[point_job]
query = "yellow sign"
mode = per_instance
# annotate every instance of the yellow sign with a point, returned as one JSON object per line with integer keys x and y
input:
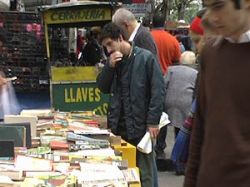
{"x": 101, "y": 109}
{"x": 74, "y": 73}
{"x": 87, "y": 94}
{"x": 77, "y": 15}
{"x": 79, "y": 97}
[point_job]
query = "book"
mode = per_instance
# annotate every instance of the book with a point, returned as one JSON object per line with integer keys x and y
{"x": 26, "y": 163}
{"x": 13, "y": 174}
{"x": 84, "y": 139}
{"x": 59, "y": 145}
{"x": 28, "y": 131}
{"x": 22, "y": 119}
{"x": 131, "y": 175}
{"x": 100, "y": 172}
{"x": 5, "y": 181}
{"x": 16, "y": 133}
{"x": 7, "y": 149}
{"x": 37, "y": 112}
{"x": 41, "y": 173}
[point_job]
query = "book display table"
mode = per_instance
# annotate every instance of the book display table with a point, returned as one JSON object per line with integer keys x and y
{"x": 70, "y": 149}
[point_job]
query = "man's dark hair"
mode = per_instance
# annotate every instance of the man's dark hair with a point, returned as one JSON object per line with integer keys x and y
{"x": 146, "y": 22}
{"x": 158, "y": 20}
{"x": 112, "y": 31}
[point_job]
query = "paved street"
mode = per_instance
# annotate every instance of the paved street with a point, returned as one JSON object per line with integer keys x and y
{"x": 169, "y": 179}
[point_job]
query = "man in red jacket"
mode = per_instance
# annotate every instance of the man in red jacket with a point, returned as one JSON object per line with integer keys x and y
{"x": 167, "y": 45}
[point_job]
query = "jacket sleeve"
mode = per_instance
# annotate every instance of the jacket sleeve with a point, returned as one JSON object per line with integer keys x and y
{"x": 157, "y": 91}
{"x": 105, "y": 78}
{"x": 197, "y": 136}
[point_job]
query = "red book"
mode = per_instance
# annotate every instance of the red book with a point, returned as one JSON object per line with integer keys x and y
{"x": 58, "y": 145}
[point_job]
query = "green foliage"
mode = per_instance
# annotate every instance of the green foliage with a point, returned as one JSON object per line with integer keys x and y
{"x": 178, "y": 9}
{"x": 189, "y": 13}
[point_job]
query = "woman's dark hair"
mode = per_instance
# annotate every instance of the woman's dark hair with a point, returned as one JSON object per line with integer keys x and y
{"x": 112, "y": 31}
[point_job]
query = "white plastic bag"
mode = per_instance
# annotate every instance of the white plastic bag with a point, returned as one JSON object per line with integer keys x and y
{"x": 8, "y": 101}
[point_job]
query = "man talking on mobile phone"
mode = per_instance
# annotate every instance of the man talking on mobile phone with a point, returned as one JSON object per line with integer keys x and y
{"x": 134, "y": 80}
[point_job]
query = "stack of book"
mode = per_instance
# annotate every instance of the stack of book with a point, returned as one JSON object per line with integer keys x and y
{"x": 70, "y": 149}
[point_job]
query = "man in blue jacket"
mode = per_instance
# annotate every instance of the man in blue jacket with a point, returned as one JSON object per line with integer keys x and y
{"x": 133, "y": 78}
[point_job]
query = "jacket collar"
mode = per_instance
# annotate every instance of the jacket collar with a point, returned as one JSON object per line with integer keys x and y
{"x": 132, "y": 36}
{"x": 244, "y": 38}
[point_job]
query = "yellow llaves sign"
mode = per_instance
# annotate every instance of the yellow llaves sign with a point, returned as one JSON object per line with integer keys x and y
{"x": 77, "y": 15}
{"x": 82, "y": 94}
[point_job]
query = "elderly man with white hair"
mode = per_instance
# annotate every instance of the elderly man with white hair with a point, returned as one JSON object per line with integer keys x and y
{"x": 133, "y": 30}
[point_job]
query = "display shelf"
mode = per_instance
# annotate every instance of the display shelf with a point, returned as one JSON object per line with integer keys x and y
{"x": 23, "y": 53}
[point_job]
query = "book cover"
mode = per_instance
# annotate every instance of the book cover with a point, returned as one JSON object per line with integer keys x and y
{"x": 16, "y": 133}
{"x": 23, "y": 119}
{"x": 28, "y": 131}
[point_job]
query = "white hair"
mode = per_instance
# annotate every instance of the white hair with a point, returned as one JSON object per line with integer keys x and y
{"x": 188, "y": 57}
{"x": 122, "y": 14}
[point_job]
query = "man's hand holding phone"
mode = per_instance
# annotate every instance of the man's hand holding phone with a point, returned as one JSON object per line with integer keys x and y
{"x": 115, "y": 58}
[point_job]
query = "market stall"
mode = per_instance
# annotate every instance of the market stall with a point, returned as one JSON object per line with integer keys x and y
{"x": 70, "y": 148}
{"x": 73, "y": 79}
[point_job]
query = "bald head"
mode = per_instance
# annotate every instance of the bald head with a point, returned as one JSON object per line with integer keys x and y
{"x": 125, "y": 20}
{"x": 122, "y": 15}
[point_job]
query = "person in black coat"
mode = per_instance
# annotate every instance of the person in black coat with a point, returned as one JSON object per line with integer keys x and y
{"x": 133, "y": 78}
{"x": 140, "y": 35}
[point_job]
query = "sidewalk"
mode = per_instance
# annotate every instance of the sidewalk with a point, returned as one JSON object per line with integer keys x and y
{"x": 169, "y": 179}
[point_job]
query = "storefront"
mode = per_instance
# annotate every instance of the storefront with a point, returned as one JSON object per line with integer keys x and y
{"x": 73, "y": 83}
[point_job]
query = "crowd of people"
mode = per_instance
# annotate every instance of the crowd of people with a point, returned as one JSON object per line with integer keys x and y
{"x": 203, "y": 91}
{"x": 146, "y": 74}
